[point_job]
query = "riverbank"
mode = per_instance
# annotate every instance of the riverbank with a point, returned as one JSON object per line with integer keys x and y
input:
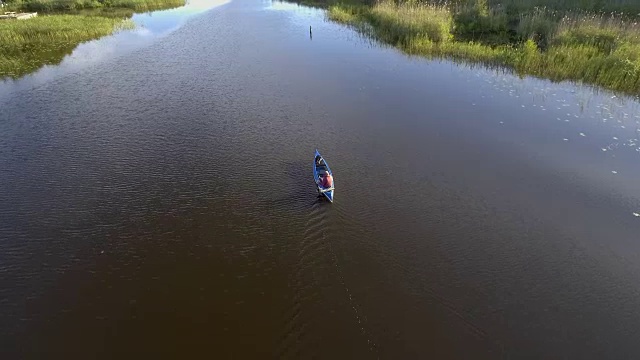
{"x": 577, "y": 41}
{"x": 58, "y": 6}
{"x": 27, "y": 45}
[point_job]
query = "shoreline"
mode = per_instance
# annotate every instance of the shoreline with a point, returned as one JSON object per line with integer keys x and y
{"x": 28, "y": 45}
{"x": 581, "y": 47}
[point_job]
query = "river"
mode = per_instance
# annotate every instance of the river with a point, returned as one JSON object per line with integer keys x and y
{"x": 160, "y": 201}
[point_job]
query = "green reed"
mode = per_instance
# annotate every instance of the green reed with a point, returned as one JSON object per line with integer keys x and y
{"x": 585, "y": 44}
{"x": 57, "y": 6}
{"x": 27, "y": 45}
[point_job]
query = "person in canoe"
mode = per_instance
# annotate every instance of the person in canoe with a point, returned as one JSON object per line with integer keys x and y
{"x": 326, "y": 180}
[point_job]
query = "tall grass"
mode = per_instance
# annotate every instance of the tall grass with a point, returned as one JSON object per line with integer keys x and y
{"x": 57, "y": 6}
{"x": 596, "y": 48}
{"x": 630, "y": 7}
{"x": 27, "y": 45}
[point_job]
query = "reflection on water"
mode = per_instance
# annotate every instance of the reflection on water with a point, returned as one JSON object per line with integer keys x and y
{"x": 600, "y": 124}
{"x": 290, "y": 6}
{"x": 163, "y": 202}
{"x": 149, "y": 27}
{"x": 570, "y": 118}
{"x": 158, "y": 23}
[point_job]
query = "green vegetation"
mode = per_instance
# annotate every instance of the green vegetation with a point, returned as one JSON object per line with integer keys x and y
{"x": 579, "y": 40}
{"x": 27, "y": 45}
{"x": 58, "y": 6}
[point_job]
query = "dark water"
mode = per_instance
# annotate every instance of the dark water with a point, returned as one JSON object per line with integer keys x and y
{"x": 162, "y": 203}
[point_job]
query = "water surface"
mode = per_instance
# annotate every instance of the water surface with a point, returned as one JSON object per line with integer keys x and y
{"x": 148, "y": 28}
{"x": 163, "y": 203}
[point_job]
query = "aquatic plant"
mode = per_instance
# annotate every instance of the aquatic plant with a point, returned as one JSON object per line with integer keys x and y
{"x": 27, "y": 45}
{"x": 590, "y": 46}
{"x": 47, "y": 6}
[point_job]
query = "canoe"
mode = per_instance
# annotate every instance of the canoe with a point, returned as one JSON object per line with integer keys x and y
{"x": 320, "y": 167}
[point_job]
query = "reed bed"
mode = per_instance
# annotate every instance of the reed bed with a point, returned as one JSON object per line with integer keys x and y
{"x": 58, "y": 6}
{"x": 27, "y": 45}
{"x": 576, "y": 40}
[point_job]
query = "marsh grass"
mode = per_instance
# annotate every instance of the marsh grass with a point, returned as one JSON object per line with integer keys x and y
{"x": 628, "y": 7}
{"x": 26, "y": 46}
{"x": 63, "y": 6}
{"x": 595, "y": 48}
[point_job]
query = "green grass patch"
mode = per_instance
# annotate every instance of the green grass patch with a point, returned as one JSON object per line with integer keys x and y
{"x": 58, "y": 6}
{"x": 512, "y": 7}
{"x": 27, "y": 45}
{"x": 595, "y": 48}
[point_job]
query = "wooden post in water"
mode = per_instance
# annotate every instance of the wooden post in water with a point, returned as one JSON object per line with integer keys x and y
{"x": 310, "y": 33}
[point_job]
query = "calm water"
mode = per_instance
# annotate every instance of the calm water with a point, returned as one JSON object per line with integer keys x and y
{"x": 161, "y": 201}
{"x": 150, "y": 27}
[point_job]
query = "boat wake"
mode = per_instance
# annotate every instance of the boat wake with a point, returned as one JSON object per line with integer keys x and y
{"x": 311, "y": 254}
{"x": 318, "y": 271}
